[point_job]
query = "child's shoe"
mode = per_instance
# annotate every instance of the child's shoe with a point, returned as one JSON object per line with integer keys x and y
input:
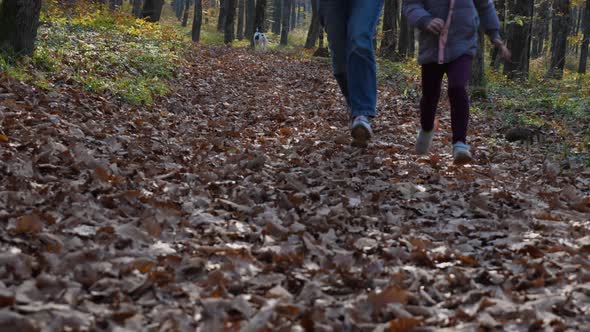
{"x": 461, "y": 154}
{"x": 424, "y": 141}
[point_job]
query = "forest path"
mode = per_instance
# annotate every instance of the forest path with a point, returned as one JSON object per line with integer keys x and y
{"x": 238, "y": 202}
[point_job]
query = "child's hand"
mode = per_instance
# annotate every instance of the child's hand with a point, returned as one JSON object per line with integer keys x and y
{"x": 435, "y": 26}
{"x": 504, "y": 51}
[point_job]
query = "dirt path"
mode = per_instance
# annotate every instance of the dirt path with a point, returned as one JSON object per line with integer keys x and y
{"x": 237, "y": 203}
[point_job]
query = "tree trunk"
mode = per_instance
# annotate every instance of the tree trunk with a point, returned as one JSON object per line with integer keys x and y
{"x": 375, "y": 34}
{"x": 267, "y": 18}
{"x": 286, "y": 23}
{"x": 259, "y": 18}
{"x": 519, "y": 38}
{"x": 297, "y": 14}
{"x": 221, "y": 18}
{"x": 136, "y": 11}
{"x": 545, "y": 13}
{"x": 536, "y": 36}
{"x": 411, "y": 41}
{"x": 303, "y": 13}
{"x": 559, "y": 29}
{"x": 19, "y": 20}
{"x": 389, "y": 42}
{"x": 501, "y": 10}
{"x": 579, "y": 27}
{"x": 575, "y": 18}
{"x": 178, "y": 6}
{"x": 241, "y": 9}
{"x": 187, "y": 7}
{"x": 152, "y": 10}
{"x": 260, "y": 15}
{"x": 314, "y": 28}
{"x": 478, "y": 82}
{"x": 404, "y": 42}
{"x": 197, "y": 18}
{"x": 586, "y": 41}
{"x": 293, "y": 15}
{"x": 540, "y": 29}
{"x": 277, "y": 14}
{"x": 230, "y": 15}
{"x": 250, "y": 17}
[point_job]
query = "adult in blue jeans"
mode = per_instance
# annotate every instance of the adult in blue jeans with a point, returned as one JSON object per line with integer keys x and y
{"x": 351, "y": 26}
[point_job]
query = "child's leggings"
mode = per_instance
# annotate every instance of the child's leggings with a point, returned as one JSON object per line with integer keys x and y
{"x": 458, "y": 73}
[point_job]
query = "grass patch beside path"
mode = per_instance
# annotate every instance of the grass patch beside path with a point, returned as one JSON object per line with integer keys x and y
{"x": 102, "y": 50}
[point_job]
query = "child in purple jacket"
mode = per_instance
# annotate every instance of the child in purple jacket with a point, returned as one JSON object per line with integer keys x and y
{"x": 448, "y": 42}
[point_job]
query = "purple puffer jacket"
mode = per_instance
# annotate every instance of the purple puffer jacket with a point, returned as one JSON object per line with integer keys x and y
{"x": 462, "y": 31}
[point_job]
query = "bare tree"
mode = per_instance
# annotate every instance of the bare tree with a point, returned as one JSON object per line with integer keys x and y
{"x": 519, "y": 37}
{"x": 187, "y": 7}
{"x": 389, "y": 42}
{"x": 277, "y": 11}
{"x": 250, "y": 17}
{"x": 586, "y": 41}
{"x": 286, "y": 22}
{"x": 559, "y": 33}
{"x": 501, "y": 10}
{"x": 404, "y": 37}
{"x": 230, "y": 15}
{"x": 152, "y": 10}
{"x": 221, "y": 17}
{"x": 478, "y": 82}
{"x": 314, "y": 28}
{"x": 197, "y": 20}
{"x": 241, "y": 10}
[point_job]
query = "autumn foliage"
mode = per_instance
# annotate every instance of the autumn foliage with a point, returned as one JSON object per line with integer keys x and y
{"x": 232, "y": 200}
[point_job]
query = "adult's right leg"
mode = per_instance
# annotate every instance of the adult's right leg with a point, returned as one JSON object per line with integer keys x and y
{"x": 335, "y": 15}
{"x": 432, "y": 75}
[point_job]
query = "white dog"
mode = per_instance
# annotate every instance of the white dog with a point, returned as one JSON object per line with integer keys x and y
{"x": 260, "y": 40}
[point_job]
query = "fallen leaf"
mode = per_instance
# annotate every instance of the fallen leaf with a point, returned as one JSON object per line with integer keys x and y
{"x": 7, "y": 297}
{"x": 406, "y": 324}
{"x": 30, "y": 224}
{"x": 11, "y": 321}
{"x": 286, "y": 131}
{"x": 391, "y": 294}
{"x": 546, "y": 215}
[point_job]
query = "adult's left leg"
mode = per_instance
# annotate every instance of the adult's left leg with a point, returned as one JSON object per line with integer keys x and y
{"x": 361, "y": 64}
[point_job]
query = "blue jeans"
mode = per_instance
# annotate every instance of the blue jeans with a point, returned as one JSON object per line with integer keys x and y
{"x": 351, "y": 25}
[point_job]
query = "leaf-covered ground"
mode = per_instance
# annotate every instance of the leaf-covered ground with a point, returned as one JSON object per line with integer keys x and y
{"x": 237, "y": 203}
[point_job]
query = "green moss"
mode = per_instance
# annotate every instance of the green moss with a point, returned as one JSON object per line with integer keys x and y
{"x": 45, "y": 60}
{"x": 13, "y": 68}
{"x": 139, "y": 91}
{"x": 93, "y": 83}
